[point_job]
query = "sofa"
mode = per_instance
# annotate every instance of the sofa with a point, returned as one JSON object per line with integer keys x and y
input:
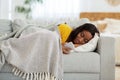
{"x": 110, "y": 27}
{"x": 96, "y": 65}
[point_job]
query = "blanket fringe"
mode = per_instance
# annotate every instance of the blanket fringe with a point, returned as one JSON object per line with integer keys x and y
{"x": 34, "y": 76}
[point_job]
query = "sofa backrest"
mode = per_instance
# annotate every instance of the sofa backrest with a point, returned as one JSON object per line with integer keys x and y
{"x": 5, "y": 26}
{"x": 50, "y": 22}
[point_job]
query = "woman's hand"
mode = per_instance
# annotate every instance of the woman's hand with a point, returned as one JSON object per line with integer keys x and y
{"x": 76, "y": 45}
{"x": 66, "y": 50}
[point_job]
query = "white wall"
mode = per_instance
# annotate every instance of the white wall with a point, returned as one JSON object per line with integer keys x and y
{"x": 4, "y": 5}
{"x": 98, "y": 6}
{"x": 86, "y": 6}
{"x": 7, "y": 9}
{"x": 0, "y": 8}
{"x": 15, "y": 14}
{"x": 43, "y": 9}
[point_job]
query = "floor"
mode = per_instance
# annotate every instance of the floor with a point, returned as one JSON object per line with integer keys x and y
{"x": 117, "y": 73}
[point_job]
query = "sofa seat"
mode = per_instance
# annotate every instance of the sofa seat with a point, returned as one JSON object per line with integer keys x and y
{"x": 7, "y": 68}
{"x": 76, "y": 66}
{"x": 82, "y": 62}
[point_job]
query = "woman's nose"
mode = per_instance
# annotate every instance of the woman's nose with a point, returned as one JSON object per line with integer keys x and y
{"x": 81, "y": 40}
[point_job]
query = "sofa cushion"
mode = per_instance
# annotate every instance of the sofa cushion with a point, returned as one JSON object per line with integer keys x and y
{"x": 5, "y": 28}
{"x": 82, "y": 62}
{"x": 81, "y": 76}
{"x": 74, "y": 62}
{"x": 6, "y": 68}
{"x": 9, "y": 76}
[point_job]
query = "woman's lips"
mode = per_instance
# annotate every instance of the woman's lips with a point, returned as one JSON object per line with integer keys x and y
{"x": 76, "y": 41}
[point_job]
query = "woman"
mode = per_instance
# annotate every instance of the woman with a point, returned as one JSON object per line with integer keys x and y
{"x": 79, "y": 36}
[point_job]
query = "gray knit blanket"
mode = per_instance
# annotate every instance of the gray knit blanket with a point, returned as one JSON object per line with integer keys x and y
{"x": 35, "y": 53}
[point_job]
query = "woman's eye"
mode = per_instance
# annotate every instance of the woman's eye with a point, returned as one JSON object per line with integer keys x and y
{"x": 85, "y": 40}
{"x": 82, "y": 35}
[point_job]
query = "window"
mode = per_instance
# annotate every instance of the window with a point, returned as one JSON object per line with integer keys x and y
{"x": 56, "y": 8}
{"x": 48, "y": 9}
{"x": 5, "y": 9}
{"x": 10, "y": 10}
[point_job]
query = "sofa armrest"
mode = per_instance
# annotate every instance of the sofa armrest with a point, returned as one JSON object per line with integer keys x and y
{"x": 106, "y": 49}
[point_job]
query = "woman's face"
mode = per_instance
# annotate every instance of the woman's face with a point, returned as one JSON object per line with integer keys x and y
{"x": 83, "y": 37}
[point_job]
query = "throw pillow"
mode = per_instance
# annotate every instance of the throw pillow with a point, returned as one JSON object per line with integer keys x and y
{"x": 100, "y": 24}
{"x": 113, "y": 26}
{"x": 64, "y": 30}
{"x": 90, "y": 46}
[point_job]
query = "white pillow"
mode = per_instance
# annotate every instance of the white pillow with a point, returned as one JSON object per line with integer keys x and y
{"x": 111, "y": 20}
{"x": 90, "y": 46}
{"x": 113, "y": 26}
{"x": 100, "y": 24}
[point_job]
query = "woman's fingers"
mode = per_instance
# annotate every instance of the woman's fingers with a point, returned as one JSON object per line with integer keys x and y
{"x": 66, "y": 50}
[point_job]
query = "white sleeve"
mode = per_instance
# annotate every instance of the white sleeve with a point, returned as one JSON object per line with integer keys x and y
{"x": 90, "y": 46}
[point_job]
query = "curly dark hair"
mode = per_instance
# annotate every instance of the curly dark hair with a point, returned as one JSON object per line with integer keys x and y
{"x": 87, "y": 26}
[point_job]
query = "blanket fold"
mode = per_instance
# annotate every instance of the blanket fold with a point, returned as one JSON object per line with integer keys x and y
{"x": 35, "y": 54}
